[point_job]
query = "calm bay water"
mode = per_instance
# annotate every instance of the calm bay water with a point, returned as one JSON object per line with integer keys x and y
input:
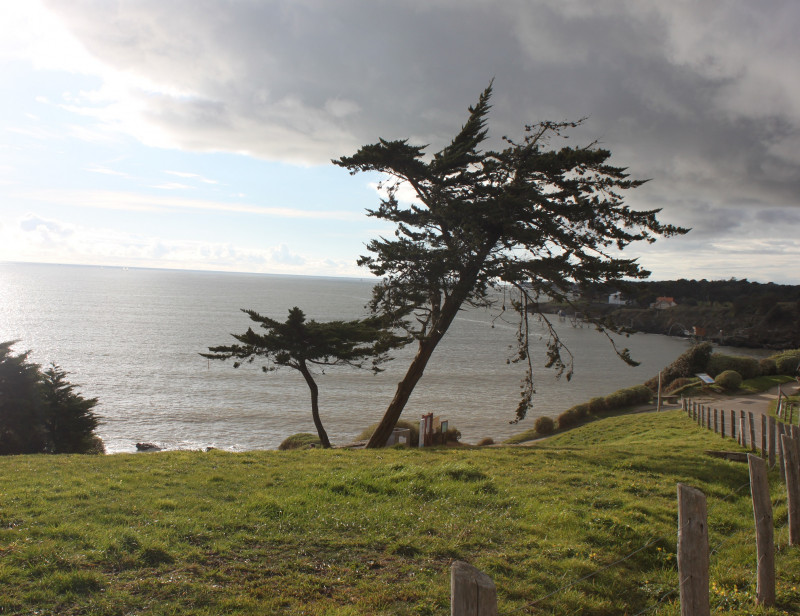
{"x": 132, "y": 338}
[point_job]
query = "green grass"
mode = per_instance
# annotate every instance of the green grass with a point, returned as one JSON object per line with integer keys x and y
{"x": 763, "y": 383}
{"x": 341, "y": 532}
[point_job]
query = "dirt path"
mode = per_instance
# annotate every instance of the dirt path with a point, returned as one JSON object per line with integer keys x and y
{"x": 757, "y": 403}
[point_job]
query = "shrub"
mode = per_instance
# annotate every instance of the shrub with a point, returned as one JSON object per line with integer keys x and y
{"x": 678, "y": 384}
{"x": 302, "y": 440}
{"x": 486, "y": 441}
{"x": 544, "y": 425}
{"x": 787, "y": 362}
{"x": 597, "y": 406}
{"x": 768, "y": 366}
{"x": 691, "y": 362}
{"x": 747, "y": 367}
{"x": 572, "y": 417}
{"x": 730, "y": 380}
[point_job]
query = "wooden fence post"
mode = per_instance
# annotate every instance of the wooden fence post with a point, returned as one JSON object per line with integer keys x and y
{"x": 742, "y": 431}
{"x": 763, "y": 436}
{"x": 722, "y": 423}
{"x": 733, "y": 425}
{"x": 771, "y": 440}
{"x": 781, "y": 456}
{"x": 693, "y": 552}
{"x": 752, "y": 423}
{"x": 472, "y": 592}
{"x": 765, "y": 546}
{"x": 716, "y": 421}
{"x": 792, "y": 488}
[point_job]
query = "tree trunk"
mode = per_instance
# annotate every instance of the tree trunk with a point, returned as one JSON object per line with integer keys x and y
{"x": 312, "y": 385}
{"x": 426, "y": 347}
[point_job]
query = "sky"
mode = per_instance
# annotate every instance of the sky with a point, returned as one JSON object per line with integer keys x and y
{"x": 198, "y": 134}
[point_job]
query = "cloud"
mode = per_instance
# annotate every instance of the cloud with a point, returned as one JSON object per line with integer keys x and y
{"x": 697, "y": 95}
{"x": 39, "y": 239}
{"x": 140, "y": 202}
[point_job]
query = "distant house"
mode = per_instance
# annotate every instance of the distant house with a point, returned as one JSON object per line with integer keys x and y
{"x": 662, "y": 303}
{"x": 616, "y": 299}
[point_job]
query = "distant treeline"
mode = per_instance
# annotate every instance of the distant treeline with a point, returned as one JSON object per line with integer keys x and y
{"x": 742, "y": 294}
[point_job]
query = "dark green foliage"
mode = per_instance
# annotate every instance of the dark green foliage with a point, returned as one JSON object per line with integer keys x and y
{"x": 573, "y": 416}
{"x": 531, "y": 217}
{"x": 40, "y": 412}
{"x": 597, "y": 405}
{"x": 544, "y": 425}
{"x": 22, "y": 414}
{"x": 678, "y": 383}
{"x": 729, "y": 380}
{"x": 691, "y": 362}
{"x": 747, "y": 367}
{"x": 300, "y": 344}
{"x": 303, "y": 440}
{"x": 70, "y": 420}
{"x": 787, "y": 362}
{"x": 768, "y": 366}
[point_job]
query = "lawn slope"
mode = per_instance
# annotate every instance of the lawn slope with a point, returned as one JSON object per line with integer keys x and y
{"x": 372, "y": 532}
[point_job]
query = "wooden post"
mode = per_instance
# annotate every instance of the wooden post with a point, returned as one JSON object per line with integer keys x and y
{"x": 733, "y": 425}
{"x": 771, "y": 440}
{"x": 763, "y": 436}
{"x": 781, "y": 456}
{"x": 792, "y": 488}
{"x": 752, "y": 422}
{"x": 693, "y": 552}
{"x": 742, "y": 431}
{"x": 722, "y": 424}
{"x": 765, "y": 547}
{"x": 658, "y": 402}
{"x": 716, "y": 421}
{"x": 702, "y": 416}
{"x": 472, "y": 592}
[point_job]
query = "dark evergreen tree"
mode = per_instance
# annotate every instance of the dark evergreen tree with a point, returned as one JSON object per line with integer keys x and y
{"x": 301, "y": 344}
{"x": 40, "y": 412}
{"x": 22, "y": 425}
{"x": 529, "y": 217}
{"x": 70, "y": 420}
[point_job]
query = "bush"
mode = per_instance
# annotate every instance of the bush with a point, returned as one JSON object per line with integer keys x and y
{"x": 486, "y": 441}
{"x": 544, "y": 425}
{"x": 572, "y": 417}
{"x": 598, "y": 406}
{"x": 747, "y": 367}
{"x": 678, "y": 384}
{"x": 768, "y": 366}
{"x": 302, "y": 440}
{"x": 730, "y": 380}
{"x": 691, "y": 362}
{"x": 787, "y": 362}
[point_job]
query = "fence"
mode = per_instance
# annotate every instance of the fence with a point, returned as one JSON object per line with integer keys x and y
{"x": 473, "y": 593}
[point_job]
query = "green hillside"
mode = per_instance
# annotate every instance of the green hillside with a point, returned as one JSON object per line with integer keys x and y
{"x": 374, "y": 532}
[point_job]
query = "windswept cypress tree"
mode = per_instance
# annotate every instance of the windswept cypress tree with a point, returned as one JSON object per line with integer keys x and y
{"x": 300, "y": 345}
{"x": 529, "y": 217}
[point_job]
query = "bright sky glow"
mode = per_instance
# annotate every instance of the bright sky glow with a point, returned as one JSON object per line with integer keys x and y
{"x": 197, "y": 134}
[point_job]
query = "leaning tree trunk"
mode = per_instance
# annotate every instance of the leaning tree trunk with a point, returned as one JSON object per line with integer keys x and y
{"x": 312, "y": 385}
{"x": 427, "y": 345}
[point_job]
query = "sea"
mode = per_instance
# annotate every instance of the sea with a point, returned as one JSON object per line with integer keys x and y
{"x": 132, "y": 338}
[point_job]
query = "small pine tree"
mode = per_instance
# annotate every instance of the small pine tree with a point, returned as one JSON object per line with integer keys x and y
{"x": 70, "y": 420}
{"x": 40, "y": 412}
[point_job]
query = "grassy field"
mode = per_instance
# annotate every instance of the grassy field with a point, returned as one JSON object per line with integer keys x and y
{"x": 374, "y": 532}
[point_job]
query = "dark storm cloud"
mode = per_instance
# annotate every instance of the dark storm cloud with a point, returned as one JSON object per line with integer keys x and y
{"x": 700, "y": 96}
